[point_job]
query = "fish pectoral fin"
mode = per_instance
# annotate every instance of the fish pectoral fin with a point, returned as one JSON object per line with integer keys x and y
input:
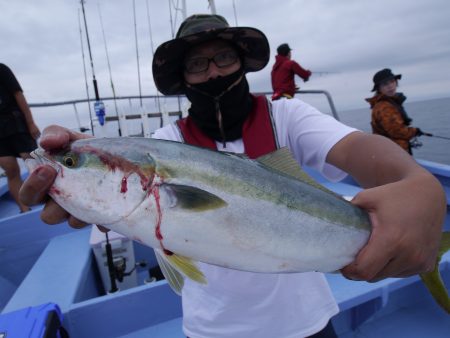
{"x": 175, "y": 268}
{"x": 433, "y": 280}
{"x": 192, "y": 198}
{"x": 173, "y": 277}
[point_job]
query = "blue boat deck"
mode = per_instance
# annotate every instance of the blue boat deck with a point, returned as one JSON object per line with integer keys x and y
{"x": 64, "y": 274}
{"x": 42, "y": 263}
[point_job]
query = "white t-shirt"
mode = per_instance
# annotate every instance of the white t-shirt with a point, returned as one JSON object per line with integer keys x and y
{"x": 238, "y": 304}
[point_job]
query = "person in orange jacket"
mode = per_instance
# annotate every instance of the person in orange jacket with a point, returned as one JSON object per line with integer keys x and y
{"x": 389, "y": 117}
{"x": 283, "y": 73}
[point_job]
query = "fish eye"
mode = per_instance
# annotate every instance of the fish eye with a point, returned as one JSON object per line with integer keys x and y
{"x": 69, "y": 161}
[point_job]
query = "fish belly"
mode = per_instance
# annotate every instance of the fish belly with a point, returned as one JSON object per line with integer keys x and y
{"x": 271, "y": 238}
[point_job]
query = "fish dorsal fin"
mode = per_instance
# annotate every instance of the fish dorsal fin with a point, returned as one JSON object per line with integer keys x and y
{"x": 175, "y": 267}
{"x": 281, "y": 160}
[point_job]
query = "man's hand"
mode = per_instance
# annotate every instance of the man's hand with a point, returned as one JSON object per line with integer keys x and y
{"x": 34, "y": 190}
{"x": 407, "y": 218}
{"x": 406, "y": 204}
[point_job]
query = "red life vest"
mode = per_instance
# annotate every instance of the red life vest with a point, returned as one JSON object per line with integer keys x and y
{"x": 258, "y": 132}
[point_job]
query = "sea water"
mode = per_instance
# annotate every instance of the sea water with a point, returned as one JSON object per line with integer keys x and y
{"x": 431, "y": 116}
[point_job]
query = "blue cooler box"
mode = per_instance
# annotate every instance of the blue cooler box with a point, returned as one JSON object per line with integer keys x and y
{"x": 42, "y": 321}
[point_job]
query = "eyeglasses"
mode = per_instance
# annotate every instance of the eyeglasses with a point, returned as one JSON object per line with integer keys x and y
{"x": 200, "y": 64}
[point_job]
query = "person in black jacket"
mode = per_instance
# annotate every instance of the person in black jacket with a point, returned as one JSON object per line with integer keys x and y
{"x": 18, "y": 131}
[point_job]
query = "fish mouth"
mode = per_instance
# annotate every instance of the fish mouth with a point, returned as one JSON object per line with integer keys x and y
{"x": 40, "y": 158}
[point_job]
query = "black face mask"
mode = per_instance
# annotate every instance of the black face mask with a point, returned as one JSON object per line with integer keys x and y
{"x": 220, "y": 106}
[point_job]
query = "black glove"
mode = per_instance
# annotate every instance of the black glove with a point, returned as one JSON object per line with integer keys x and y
{"x": 419, "y": 132}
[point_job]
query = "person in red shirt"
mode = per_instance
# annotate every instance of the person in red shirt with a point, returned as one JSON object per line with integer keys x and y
{"x": 283, "y": 73}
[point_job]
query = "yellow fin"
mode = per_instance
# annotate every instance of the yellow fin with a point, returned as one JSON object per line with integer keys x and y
{"x": 187, "y": 267}
{"x": 282, "y": 161}
{"x": 433, "y": 280}
{"x": 175, "y": 267}
{"x": 173, "y": 277}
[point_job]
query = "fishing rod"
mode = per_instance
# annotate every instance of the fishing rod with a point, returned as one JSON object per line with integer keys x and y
{"x": 85, "y": 74}
{"x": 153, "y": 49}
{"x": 172, "y": 29}
{"x": 99, "y": 107}
{"x": 437, "y": 136}
{"x": 109, "y": 68}
{"x": 137, "y": 52}
{"x": 321, "y": 73}
{"x": 235, "y": 15}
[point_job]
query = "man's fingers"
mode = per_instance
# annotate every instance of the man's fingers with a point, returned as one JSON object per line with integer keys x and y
{"x": 53, "y": 213}
{"x": 372, "y": 260}
{"x": 35, "y": 188}
{"x": 56, "y": 137}
{"x": 76, "y": 223}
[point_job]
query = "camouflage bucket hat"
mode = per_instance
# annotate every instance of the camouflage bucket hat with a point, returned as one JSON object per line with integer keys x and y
{"x": 251, "y": 44}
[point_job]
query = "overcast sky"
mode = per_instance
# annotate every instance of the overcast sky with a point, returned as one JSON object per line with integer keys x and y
{"x": 350, "y": 39}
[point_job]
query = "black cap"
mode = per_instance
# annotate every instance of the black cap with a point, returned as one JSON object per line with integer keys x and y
{"x": 382, "y": 76}
{"x": 283, "y": 49}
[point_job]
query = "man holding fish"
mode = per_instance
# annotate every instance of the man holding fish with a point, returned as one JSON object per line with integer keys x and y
{"x": 207, "y": 62}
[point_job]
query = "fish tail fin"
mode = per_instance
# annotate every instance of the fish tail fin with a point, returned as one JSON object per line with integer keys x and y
{"x": 433, "y": 280}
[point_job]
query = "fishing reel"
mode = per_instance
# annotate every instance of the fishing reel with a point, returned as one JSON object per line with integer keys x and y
{"x": 120, "y": 266}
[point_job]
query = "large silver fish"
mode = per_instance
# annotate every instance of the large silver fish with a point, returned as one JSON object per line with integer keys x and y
{"x": 192, "y": 204}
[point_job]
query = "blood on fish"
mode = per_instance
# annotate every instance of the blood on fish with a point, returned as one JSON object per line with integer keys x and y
{"x": 155, "y": 192}
{"x": 55, "y": 191}
{"x": 123, "y": 185}
{"x": 168, "y": 252}
{"x": 146, "y": 182}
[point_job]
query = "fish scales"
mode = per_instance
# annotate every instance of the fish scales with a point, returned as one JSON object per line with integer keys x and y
{"x": 270, "y": 222}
